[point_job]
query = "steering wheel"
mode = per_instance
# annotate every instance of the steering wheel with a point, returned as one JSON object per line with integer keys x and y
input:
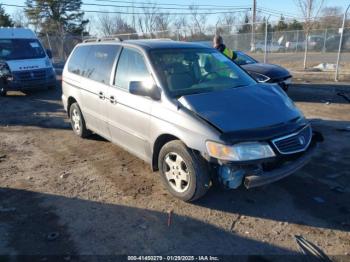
{"x": 205, "y": 77}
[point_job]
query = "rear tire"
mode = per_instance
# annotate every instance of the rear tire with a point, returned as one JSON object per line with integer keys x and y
{"x": 77, "y": 121}
{"x": 184, "y": 172}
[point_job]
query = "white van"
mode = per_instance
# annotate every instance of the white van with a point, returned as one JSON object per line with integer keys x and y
{"x": 28, "y": 63}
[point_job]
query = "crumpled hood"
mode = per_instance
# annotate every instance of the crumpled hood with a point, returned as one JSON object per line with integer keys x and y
{"x": 243, "y": 108}
{"x": 270, "y": 70}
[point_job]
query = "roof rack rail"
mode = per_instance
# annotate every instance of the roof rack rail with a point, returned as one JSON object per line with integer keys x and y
{"x": 90, "y": 40}
{"x": 111, "y": 38}
{"x": 154, "y": 39}
{"x": 107, "y": 38}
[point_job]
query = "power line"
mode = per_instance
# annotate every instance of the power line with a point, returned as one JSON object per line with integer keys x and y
{"x": 165, "y": 8}
{"x": 167, "y": 4}
{"x": 274, "y": 11}
{"x": 276, "y": 14}
{"x": 12, "y": 5}
{"x": 155, "y": 5}
{"x": 237, "y": 9}
{"x": 141, "y": 13}
{"x": 161, "y": 13}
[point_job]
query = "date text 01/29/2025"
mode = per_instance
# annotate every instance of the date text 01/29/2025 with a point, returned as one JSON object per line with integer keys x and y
{"x": 173, "y": 258}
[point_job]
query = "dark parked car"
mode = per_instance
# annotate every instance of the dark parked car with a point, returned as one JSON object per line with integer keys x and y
{"x": 332, "y": 43}
{"x": 264, "y": 73}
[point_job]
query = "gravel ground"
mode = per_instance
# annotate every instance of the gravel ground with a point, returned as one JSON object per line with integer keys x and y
{"x": 61, "y": 195}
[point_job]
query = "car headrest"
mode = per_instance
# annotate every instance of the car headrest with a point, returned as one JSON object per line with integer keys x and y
{"x": 177, "y": 68}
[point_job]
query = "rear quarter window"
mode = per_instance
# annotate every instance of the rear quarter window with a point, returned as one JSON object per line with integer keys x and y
{"x": 99, "y": 63}
{"x": 77, "y": 61}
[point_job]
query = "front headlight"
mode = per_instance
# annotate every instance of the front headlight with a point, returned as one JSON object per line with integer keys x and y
{"x": 4, "y": 70}
{"x": 260, "y": 77}
{"x": 239, "y": 152}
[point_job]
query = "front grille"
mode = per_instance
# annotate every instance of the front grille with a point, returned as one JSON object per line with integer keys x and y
{"x": 294, "y": 143}
{"x": 31, "y": 75}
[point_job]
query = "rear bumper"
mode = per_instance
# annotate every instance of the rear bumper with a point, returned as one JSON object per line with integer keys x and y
{"x": 264, "y": 178}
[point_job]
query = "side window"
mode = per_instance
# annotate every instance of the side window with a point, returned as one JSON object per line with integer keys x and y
{"x": 100, "y": 61}
{"x": 77, "y": 60}
{"x": 131, "y": 67}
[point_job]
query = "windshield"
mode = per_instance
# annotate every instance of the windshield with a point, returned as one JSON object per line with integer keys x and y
{"x": 192, "y": 71}
{"x": 243, "y": 59}
{"x": 16, "y": 49}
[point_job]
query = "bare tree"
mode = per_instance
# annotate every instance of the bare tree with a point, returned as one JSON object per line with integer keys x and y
{"x": 122, "y": 27}
{"x": 310, "y": 10}
{"x": 148, "y": 20}
{"x": 198, "y": 21}
{"x": 113, "y": 25}
{"x": 20, "y": 19}
{"x": 180, "y": 23}
{"x": 163, "y": 21}
{"x": 229, "y": 19}
{"x": 224, "y": 25}
{"x": 331, "y": 17}
{"x": 93, "y": 26}
{"x": 106, "y": 24}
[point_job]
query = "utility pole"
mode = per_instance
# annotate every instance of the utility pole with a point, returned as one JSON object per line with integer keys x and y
{"x": 307, "y": 28}
{"x": 341, "y": 43}
{"x": 252, "y": 44}
{"x": 133, "y": 16}
{"x": 266, "y": 27}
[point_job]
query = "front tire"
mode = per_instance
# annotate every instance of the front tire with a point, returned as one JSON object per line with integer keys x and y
{"x": 184, "y": 172}
{"x": 77, "y": 121}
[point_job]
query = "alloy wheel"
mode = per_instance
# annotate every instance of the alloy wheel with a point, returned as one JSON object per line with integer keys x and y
{"x": 76, "y": 120}
{"x": 176, "y": 172}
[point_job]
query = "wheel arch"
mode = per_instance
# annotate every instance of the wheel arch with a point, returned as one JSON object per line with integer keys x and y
{"x": 157, "y": 146}
{"x": 70, "y": 101}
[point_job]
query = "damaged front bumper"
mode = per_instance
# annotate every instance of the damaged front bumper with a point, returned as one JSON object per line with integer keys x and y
{"x": 255, "y": 174}
{"x": 267, "y": 177}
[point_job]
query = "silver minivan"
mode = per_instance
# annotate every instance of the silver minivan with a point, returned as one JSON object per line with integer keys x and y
{"x": 188, "y": 111}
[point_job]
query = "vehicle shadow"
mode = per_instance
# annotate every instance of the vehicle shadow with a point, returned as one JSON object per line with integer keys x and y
{"x": 320, "y": 93}
{"x": 320, "y": 190}
{"x": 43, "y": 224}
{"x": 42, "y": 108}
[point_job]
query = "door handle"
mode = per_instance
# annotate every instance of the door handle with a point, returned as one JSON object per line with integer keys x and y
{"x": 101, "y": 95}
{"x": 112, "y": 100}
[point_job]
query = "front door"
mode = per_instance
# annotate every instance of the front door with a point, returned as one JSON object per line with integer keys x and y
{"x": 128, "y": 114}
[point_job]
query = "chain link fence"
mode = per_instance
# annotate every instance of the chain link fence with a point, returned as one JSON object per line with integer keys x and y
{"x": 285, "y": 48}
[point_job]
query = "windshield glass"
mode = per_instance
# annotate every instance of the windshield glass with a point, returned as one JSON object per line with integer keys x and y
{"x": 16, "y": 49}
{"x": 243, "y": 59}
{"x": 192, "y": 71}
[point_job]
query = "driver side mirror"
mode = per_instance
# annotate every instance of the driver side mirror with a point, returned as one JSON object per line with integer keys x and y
{"x": 144, "y": 88}
{"x": 49, "y": 53}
